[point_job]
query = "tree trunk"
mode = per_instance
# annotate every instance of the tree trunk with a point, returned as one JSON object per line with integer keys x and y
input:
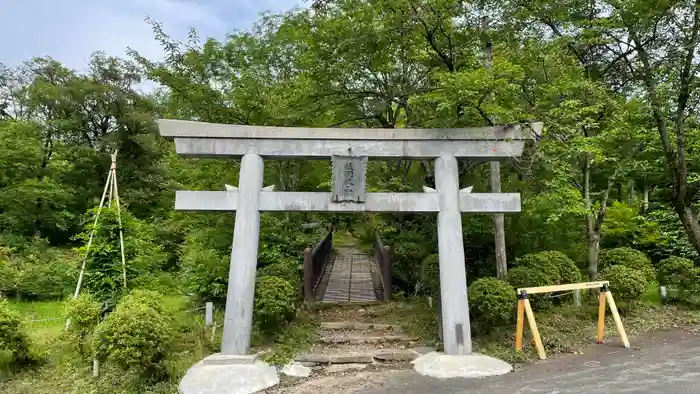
{"x": 498, "y": 224}
{"x": 646, "y": 197}
{"x": 499, "y": 231}
{"x": 631, "y": 192}
{"x": 592, "y": 252}
{"x": 690, "y": 224}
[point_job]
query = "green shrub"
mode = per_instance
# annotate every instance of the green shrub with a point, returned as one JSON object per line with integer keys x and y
{"x": 539, "y": 262}
{"x": 568, "y": 271}
{"x": 519, "y": 277}
{"x": 275, "y": 302}
{"x": 134, "y": 337}
{"x": 84, "y": 313}
{"x": 626, "y": 284}
{"x": 36, "y": 273}
{"x": 104, "y": 270}
{"x": 287, "y": 271}
{"x": 673, "y": 271}
{"x": 407, "y": 257}
{"x": 491, "y": 301}
{"x": 554, "y": 263}
{"x": 152, "y": 299}
{"x": 14, "y": 342}
{"x": 629, "y": 258}
{"x": 430, "y": 274}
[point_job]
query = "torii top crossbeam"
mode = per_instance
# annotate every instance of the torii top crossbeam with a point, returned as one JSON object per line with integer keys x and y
{"x": 199, "y": 139}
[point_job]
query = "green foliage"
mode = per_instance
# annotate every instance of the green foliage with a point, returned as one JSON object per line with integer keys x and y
{"x": 568, "y": 271}
{"x": 626, "y": 284}
{"x": 519, "y": 277}
{"x": 84, "y": 313}
{"x": 625, "y": 226}
{"x": 150, "y": 298}
{"x": 287, "y": 271}
{"x": 672, "y": 240}
{"x": 104, "y": 273}
{"x": 275, "y": 302}
{"x": 629, "y": 258}
{"x": 134, "y": 337}
{"x": 14, "y": 342}
{"x": 430, "y": 274}
{"x": 205, "y": 254}
{"x": 36, "y": 271}
{"x": 540, "y": 262}
{"x": 408, "y": 250}
{"x": 491, "y": 301}
{"x": 673, "y": 271}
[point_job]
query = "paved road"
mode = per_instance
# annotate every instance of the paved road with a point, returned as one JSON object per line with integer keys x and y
{"x": 666, "y": 362}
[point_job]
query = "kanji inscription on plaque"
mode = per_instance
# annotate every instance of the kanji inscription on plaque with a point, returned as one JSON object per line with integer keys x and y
{"x": 349, "y": 178}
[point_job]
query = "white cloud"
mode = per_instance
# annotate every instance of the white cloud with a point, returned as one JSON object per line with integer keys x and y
{"x": 70, "y": 30}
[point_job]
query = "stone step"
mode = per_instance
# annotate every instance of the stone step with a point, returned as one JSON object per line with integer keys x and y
{"x": 342, "y": 325}
{"x": 337, "y": 339}
{"x": 379, "y": 355}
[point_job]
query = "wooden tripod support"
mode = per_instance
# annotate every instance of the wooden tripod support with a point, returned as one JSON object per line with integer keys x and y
{"x": 524, "y": 309}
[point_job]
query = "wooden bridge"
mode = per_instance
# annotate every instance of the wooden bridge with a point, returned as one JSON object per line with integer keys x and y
{"x": 344, "y": 274}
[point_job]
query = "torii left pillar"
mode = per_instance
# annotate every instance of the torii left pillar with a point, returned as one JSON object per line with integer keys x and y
{"x": 234, "y": 370}
{"x": 238, "y": 318}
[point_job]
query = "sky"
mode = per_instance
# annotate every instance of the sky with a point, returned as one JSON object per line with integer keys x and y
{"x": 70, "y": 30}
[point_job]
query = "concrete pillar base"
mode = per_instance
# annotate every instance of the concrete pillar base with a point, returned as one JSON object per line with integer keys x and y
{"x": 475, "y": 365}
{"x": 223, "y": 374}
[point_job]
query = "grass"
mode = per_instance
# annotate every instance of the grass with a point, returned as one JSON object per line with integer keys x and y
{"x": 44, "y": 319}
{"x": 63, "y": 370}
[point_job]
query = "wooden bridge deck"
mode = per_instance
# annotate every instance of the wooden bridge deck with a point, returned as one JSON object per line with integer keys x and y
{"x": 349, "y": 277}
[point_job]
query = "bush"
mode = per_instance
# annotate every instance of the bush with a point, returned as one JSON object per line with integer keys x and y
{"x": 537, "y": 261}
{"x": 287, "y": 271}
{"x": 673, "y": 271}
{"x": 626, "y": 284}
{"x": 554, "y": 263}
{"x": 629, "y": 258}
{"x": 491, "y": 301}
{"x": 104, "y": 271}
{"x": 568, "y": 271}
{"x": 275, "y": 302}
{"x": 134, "y": 337}
{"x": 407, "y": 257}
{"x": 38, "y": 272}
{"x": 84, "y": 313}
{"x": 152, "y": 299}
{"x": 430, "y": 274}
{"x": 14, "y": 342}
{"x": 519, "y": 277}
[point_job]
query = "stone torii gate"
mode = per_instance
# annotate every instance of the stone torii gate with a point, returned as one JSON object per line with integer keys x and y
{"x": 349, "y": 149}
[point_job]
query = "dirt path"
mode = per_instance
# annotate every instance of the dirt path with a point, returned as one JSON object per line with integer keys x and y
{"x": 661, "y": 362}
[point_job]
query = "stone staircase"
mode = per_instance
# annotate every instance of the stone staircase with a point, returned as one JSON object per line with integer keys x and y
{"x": 356, "y": 345}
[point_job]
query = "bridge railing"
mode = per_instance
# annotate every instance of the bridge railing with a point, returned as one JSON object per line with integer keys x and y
{"x": 382, "y": 255}
{"x": 315, "y": 261}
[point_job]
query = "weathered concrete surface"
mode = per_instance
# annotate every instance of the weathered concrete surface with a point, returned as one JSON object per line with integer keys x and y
{"x": 659, "y": 363}
{"x": 184, "y": 128}
{"x": 296, "y": 369}
{"x": 238, "y": 317}
{"x": 186, "y": 200}
{"x": 323, "y": 148}
{"x": 229, "y": 359}
{"x": 444, "y": 366}
{"x": 456, "y": 333}
{"x": 228, "y": 379}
